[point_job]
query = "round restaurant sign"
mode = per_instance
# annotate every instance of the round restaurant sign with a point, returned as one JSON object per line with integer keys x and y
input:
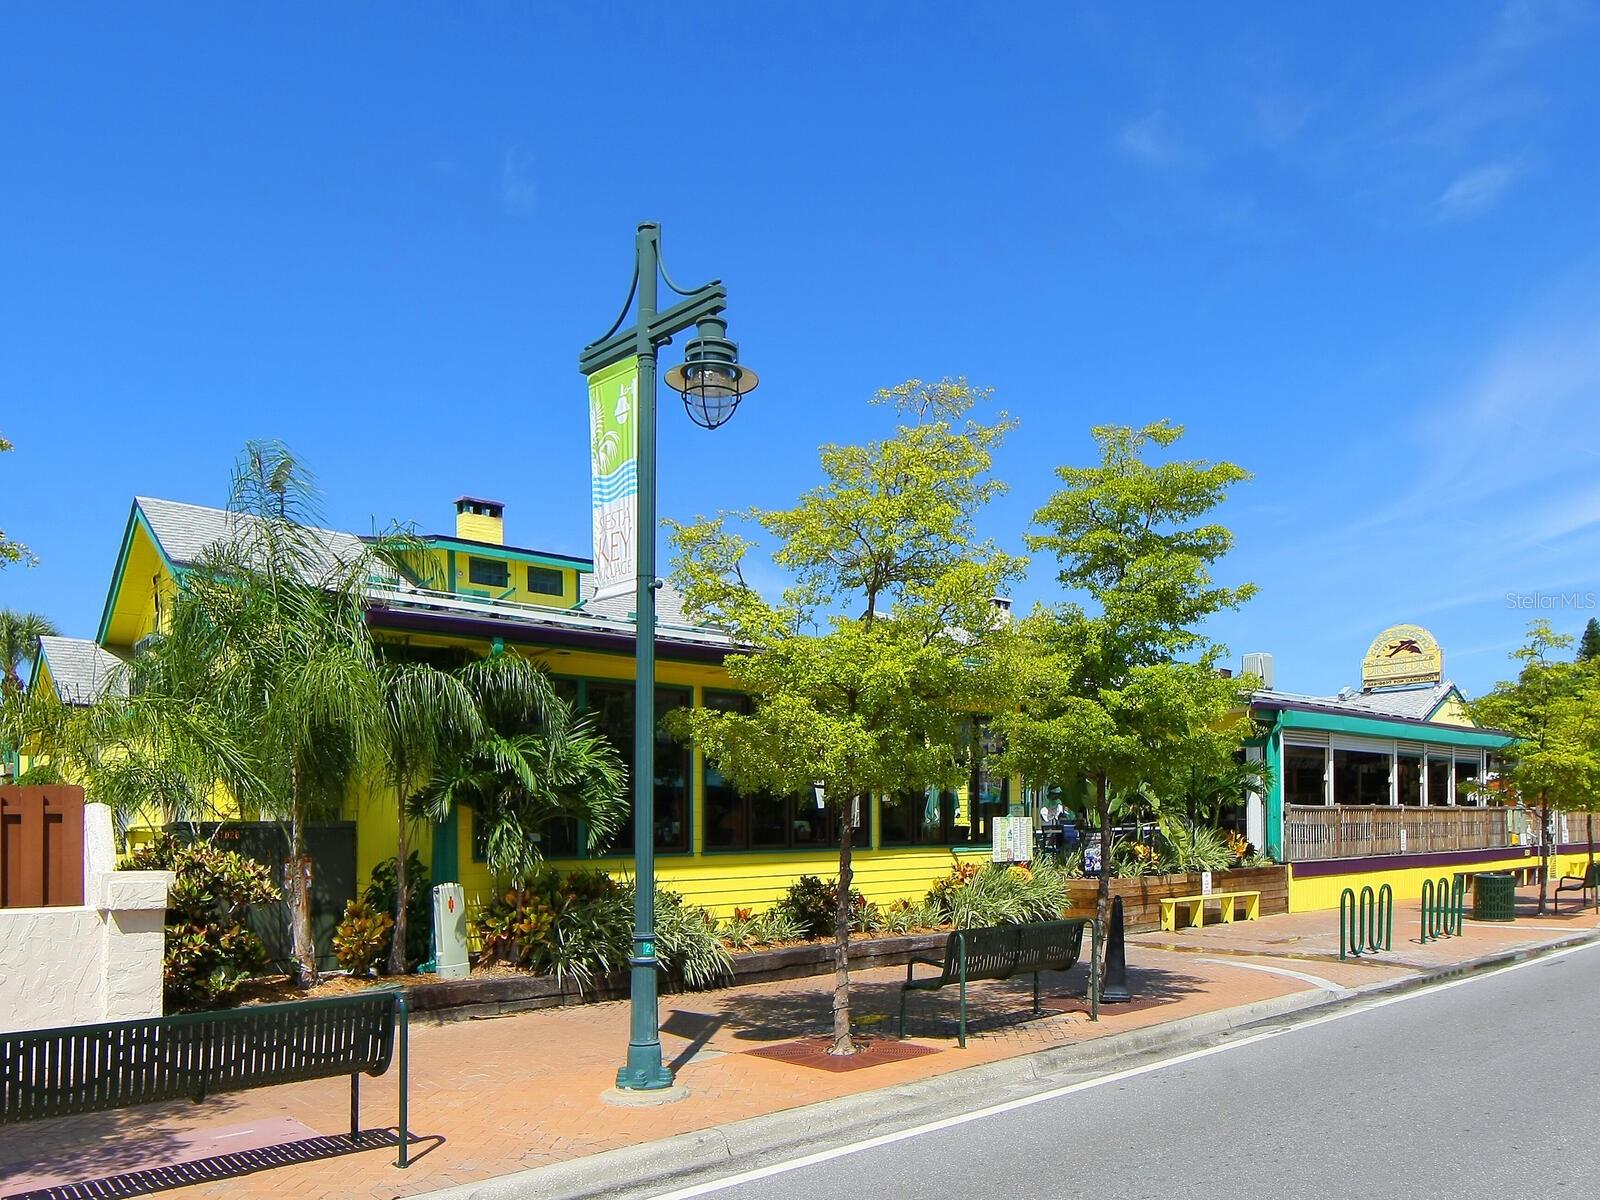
{"x": 1402, "y": 654}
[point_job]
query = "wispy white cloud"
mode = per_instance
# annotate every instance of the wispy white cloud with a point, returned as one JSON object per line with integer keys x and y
{"x": 518, "y": 189}
{"x": 1475, "y": 192}
{"x": 1149, "y": 140}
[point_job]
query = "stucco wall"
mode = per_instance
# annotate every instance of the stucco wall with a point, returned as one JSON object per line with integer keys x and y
{"x": 81, "y": 965}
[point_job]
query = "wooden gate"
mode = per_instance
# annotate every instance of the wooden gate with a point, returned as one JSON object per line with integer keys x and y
{"x": 41, "y": 846}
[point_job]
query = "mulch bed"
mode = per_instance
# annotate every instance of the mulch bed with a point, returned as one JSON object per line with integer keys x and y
{"x": 813, "y": 1052}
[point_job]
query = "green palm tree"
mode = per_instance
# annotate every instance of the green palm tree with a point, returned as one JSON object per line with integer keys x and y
{"x": 536, "y": 763}
{"x": 19, "y": 642}
{"x": 427, "y": 714}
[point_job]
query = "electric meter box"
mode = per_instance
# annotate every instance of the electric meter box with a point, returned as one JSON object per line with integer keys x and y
{"x": 450, "y": 931}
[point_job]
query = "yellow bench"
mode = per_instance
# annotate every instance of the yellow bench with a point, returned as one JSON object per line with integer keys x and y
{"x": 1195, "y": 908}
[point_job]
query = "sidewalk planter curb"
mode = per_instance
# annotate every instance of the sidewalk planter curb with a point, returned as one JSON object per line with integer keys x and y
{"x": 463, "y": 999}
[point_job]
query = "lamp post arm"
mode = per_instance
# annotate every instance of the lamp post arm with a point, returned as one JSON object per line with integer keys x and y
{"x": 707, "y": 301}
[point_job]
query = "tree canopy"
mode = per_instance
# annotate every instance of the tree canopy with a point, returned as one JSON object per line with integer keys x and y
{"x": 868, "y": 669}
{"x": 1118, "y": 683}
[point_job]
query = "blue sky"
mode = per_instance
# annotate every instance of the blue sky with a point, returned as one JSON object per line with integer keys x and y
{"x": 1355, "y": 252}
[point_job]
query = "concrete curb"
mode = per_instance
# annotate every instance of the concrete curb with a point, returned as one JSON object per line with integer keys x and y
{"x": 742, "y": 1144}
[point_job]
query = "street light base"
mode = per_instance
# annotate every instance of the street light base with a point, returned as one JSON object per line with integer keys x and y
{"x": 629, "y": 1098}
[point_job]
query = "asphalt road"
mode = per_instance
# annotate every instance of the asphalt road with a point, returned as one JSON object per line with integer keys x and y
{"x": 1482, "y": 1089}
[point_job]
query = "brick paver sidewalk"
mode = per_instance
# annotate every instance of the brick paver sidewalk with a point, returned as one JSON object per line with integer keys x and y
{"x": 509, "y": 1093}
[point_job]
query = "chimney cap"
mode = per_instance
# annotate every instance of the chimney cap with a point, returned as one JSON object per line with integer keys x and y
{"x": 497, "y": 505}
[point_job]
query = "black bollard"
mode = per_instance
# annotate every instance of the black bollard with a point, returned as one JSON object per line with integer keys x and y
{"x": 1114, "y": 980}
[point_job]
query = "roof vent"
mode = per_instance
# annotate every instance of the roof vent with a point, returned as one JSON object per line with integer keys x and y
{"x": 1259, "y": 665}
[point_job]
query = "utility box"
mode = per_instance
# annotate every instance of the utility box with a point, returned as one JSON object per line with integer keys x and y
{"x": 450, "y": 931}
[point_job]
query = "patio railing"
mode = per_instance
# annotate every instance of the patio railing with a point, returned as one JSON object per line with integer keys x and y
{"x": 1358, "y": 831}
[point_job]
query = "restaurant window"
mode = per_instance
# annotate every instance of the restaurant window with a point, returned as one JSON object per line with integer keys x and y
{"x": 1408, "y": 779}
{"x": 1360, "y": 777}
{"x": 612, "y": 706}
{"x": 1439, "y": 782}
{"x": 1305, "y": 770}
{"x": 489, "y": 572}
{"x": 738, "y": 820}
{"x": 545, "y": 581}
{"x": 1468, "y": 771}
{"x": 927, "y": 818}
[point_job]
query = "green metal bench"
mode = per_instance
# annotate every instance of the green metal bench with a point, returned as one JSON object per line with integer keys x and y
{"x": 1001, "y": 952}
{"x": 1582, "y": 884}
{"x": 89, "y": 1068}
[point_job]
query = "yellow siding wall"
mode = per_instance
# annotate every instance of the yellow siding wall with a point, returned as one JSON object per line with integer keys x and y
{"x": 144, "y": 578}
{"x": 1321, "y": 892}
{"x": 1453, "y": 712}
{"x": 475, "y": 527}
{"x": 433, "y": 571}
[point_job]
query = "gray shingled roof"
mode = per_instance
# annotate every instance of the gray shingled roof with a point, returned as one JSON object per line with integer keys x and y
{"x": 669, "y": 604}
{"x": 1414, "y": 703}
{"x": 81, "y": 669}
{"x": 186, "y": 530}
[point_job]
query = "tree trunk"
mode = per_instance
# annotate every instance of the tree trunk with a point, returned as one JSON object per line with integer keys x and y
{"x": 297, "y": 885}
{"x": 841, "y": 942}
{"x": 397, "y": 950}
{"x": 1544, "y": 849}
{"x": 1102, "y": 900}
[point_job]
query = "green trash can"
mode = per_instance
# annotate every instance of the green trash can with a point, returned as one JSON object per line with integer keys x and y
{"x": 1494, "y": 897}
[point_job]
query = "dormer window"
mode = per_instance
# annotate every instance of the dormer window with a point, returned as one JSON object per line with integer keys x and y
{"x": 489, "y": 572}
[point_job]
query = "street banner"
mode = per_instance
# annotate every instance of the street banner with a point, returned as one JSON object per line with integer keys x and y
{"x": 614, "y": 462}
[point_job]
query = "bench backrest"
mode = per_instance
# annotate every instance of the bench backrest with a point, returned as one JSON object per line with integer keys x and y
{"x": 84, "y": 1068}
{"x": 1051, "y": 945}
{"x": 991, "y": 952}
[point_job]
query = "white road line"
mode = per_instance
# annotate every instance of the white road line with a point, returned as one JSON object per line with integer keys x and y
{"x": 888, "y": 1139}
{"x": 1326, "y": 985}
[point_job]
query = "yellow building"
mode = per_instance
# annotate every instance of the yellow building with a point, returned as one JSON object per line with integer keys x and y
{"x": 471, "y": 593}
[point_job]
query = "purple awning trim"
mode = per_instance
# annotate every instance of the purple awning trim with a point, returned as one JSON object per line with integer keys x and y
{"x": 1403, "y": 862}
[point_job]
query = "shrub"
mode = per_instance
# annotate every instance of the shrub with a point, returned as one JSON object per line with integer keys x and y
{"x": 1202, "y": 849}
{"x": 379, "y": 896}
{"x": 903, "y": 916}
{"x": 577, "y": 925}
{"x": 776, "y": 925}
{"x": 363, "y": 938}
{"x": 209, "y": 952}
{"x": 742, "y": 931}
{"x": 973, "y": 895}
{"x": 813, "y": 904}
{"x": 687, "y": 941}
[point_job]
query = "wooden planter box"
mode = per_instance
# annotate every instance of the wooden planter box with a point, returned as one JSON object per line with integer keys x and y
{"x": 1142, "y": 896}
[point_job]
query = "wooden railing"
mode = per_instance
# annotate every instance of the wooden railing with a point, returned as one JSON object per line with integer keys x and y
{"x": 1357, "y": 831}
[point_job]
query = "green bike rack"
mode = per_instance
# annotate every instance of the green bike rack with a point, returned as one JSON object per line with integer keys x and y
{"x": 1366, "y": 923}
{"x": 1443, "y": 908}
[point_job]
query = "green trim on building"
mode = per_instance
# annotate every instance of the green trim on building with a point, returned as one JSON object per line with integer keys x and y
{"x": 511, "y": 554}
{"x": 446, "y": 867}
{"x": 1377, "y": 727}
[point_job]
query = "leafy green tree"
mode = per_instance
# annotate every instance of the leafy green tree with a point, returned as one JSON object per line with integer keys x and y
{"x": 1123, "y": 690}
{"x": 867, "y": 671}
{"x": 1589, "y": 646}
{"x": 1553, "y": 710}
{"x": 12, "y": 551}
{"x": 19, "y": 643}
{"x": 530, "y": 762}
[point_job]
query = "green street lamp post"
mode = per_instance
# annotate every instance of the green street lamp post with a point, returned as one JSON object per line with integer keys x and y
{"x": 712, "y": 383}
